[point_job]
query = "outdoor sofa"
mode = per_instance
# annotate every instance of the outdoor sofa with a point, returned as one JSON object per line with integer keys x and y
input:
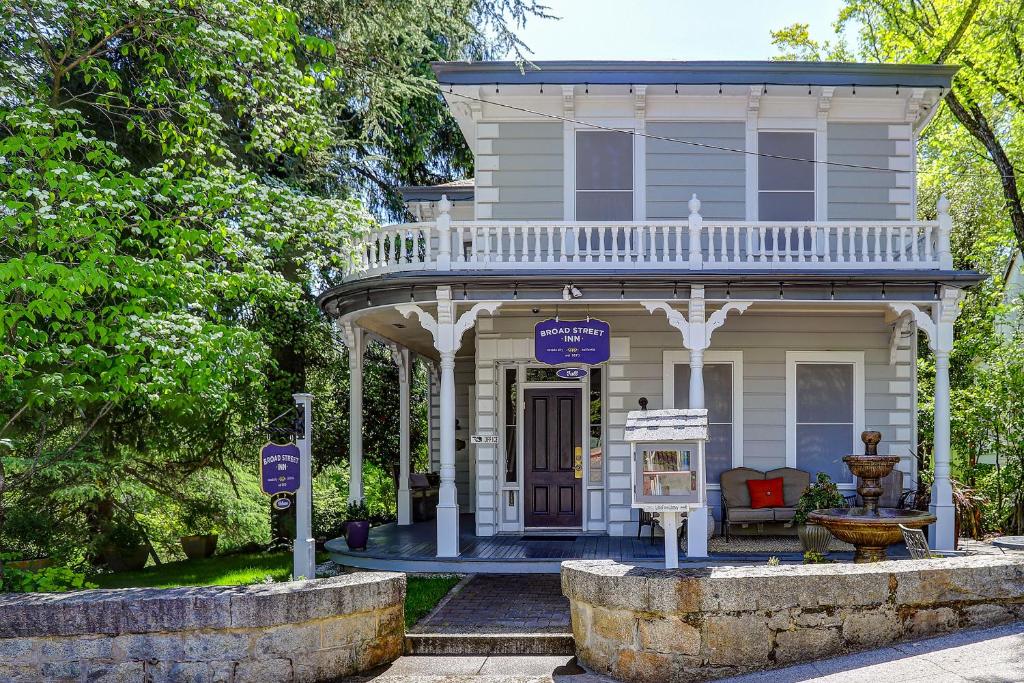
{"x": 736, "y": 507}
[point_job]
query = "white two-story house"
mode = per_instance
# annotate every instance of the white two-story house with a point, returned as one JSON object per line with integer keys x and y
{"x": 749, "y": 233}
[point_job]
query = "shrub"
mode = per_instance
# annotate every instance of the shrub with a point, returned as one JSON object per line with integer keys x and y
{"x": 820, "y": 495}
{"x": 46, "y": 580}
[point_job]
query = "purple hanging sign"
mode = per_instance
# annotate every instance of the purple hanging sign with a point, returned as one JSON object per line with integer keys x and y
{"x": 572, "y": 341}
{"x": 279, "y": 468}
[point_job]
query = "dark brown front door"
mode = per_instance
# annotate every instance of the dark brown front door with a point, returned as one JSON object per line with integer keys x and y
{"x": 552, "y": 453}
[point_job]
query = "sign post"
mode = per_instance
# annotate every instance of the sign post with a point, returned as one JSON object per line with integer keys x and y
{"x": 304, "y": 550}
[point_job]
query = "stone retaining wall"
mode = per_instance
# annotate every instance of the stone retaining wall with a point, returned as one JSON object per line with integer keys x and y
{"x": 297, "y": 631}
{"x": 699, "y": 624}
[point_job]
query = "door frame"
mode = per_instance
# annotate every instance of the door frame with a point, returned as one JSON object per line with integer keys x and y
{"x": 582, "y": 386}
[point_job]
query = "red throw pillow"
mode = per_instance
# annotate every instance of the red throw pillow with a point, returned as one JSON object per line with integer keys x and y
{"x": 765, "y": 493}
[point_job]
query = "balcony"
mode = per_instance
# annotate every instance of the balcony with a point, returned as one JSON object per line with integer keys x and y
{"x": 693, "y": 244}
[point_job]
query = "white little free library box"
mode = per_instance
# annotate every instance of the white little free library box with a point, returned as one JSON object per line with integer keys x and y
{"x": 668, "y": 473}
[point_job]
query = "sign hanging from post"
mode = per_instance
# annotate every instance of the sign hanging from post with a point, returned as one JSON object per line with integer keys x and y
{"x": 572, "y": 341}
{"x": 279, "y": 468}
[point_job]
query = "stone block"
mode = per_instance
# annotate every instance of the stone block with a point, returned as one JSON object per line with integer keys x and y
{"x": 179, "y": 609}
{"x": 60, "y": 671}
{"x": 18, "y": 673}
{"x": 391, "y": 622}
{"x": 372, "y": 654}
{"x": 150, "y": 647}
{"x": 213, "y": 645}
{"x": 927, "y": 622}
{"x": 821, "y": 618}
{"x": 325, "y": 665}
{"x": 642, "y": 667}
{"x": 180, "y": 672}
{"x": 801, "y": 644}
{"x": 222, "y": 672}
{"x": 615, "y": 624}
{"x": 264, "y": 671}
{"x": 298, "y": 601}
{"x": 288, "y": 641}
{"x": 871, "y": 628}
{"x": 73, "y": 647}
{"x": 987, "y": 615}
{"x": 348, "y": 630}
{"x": 671, "y": 635}
{"x": 737, "y": 640}
{"x": 20, "y": 649}
{"x": 580, "y": 614}
{"x": 125, "y": 672}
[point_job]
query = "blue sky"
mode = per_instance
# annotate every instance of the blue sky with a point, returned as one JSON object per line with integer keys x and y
{"x": 667, "y": 29}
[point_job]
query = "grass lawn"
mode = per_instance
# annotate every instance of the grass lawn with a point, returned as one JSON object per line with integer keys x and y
{"x": 422, "y": 593}
{"x": 219, "y": 570}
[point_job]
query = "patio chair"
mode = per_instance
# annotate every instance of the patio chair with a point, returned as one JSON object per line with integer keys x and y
{"x": 916, "y": 542}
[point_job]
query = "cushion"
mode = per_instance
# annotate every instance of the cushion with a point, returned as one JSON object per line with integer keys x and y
{"x": 784, "y": 514}
{"x": 794, "y": 482}
{"x": 766, "y": 493}
{"x": 734, "y": 486}
{"x": 745, "y": 514}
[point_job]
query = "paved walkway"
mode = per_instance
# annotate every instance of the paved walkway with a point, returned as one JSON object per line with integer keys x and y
{"x": 994, "y": 655}
{"x": 501, "y": 603}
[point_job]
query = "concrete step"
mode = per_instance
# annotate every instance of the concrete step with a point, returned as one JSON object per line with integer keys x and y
{"x": 489, "y": 644}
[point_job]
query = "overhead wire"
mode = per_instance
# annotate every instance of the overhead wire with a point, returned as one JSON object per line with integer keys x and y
{"x": 722, "y": 148}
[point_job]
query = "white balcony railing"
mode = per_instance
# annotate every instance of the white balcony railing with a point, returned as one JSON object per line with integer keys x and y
{"x": 693, "y": 244}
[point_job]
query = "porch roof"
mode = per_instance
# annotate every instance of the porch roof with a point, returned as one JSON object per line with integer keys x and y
{"x": 666, "y": 425}
{"x": 501, "y": 284}
{"x": 680, "y": 72}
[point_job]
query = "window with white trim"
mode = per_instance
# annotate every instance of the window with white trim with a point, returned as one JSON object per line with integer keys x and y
{"x": 785, "y": 189}
{"x": 604, "y": 175}
{"x": 825, "y": 411}
{"x": 723, "y": 389}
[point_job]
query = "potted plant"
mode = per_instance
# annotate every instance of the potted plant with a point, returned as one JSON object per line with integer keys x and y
{"x": 123, "y": 547}
{"x": 820, "y": 495}
{"x": 357, "y": 526}
{"x": 199, "y": 539}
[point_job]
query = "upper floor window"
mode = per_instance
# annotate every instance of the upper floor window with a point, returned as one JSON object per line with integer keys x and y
{"x": 604, "y": 175}
{"x": 785, "y": 187}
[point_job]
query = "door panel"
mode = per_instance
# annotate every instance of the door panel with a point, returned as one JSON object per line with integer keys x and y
{"x": 553, "y": 436}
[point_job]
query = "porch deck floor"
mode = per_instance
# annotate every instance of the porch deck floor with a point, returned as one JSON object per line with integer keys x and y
{"x": 412, "y": 548}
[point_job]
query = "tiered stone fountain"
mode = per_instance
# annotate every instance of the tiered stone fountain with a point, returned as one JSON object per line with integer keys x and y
{"x": 870, "y": 529}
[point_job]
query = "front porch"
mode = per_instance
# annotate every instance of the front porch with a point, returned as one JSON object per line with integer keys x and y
{"x": 413, "y": 548}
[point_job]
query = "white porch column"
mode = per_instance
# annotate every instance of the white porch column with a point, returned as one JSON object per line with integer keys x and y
{"x": 696, "y": 331}
{"x": 403, "y": 359}
{"x": 939, "y": 328}
{"x": 448, "y": 502}
{"x": 447, "y": 329}
{"x": 353, "y": 337}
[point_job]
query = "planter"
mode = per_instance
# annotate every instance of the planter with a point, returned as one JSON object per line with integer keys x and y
{"x": 814, "y": 538}
{"x": 357, "y": 533}
{"x": 29, "y": 565}
{"x": 125, "y": 559}
{"x": 199, "y": 546}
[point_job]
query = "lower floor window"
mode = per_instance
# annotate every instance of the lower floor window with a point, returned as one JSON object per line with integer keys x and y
{"x": 719, "y": 388}
{"x": 825, "y": 411}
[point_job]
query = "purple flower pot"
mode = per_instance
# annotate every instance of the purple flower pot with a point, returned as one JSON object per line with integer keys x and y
{"x": 357, "y": 532}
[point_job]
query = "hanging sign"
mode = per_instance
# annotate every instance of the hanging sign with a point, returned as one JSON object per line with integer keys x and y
{"x": 571, "y": 373}
{"x": 281, "y": 503}
{"x": 279, "y": 468}
{"x": 572, "y": 341}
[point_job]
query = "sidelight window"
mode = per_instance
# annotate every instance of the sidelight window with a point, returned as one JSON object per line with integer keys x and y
{"x": 511, "y": 396}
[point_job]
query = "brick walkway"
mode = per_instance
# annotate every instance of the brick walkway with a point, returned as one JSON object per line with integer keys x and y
{"x": 502, "y": 603}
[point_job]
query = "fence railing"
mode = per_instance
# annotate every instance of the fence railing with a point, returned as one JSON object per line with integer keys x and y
{"x": 693, "y": 244}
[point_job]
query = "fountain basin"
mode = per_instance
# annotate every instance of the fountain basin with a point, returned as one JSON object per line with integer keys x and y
{"x": 870, "y": 532}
